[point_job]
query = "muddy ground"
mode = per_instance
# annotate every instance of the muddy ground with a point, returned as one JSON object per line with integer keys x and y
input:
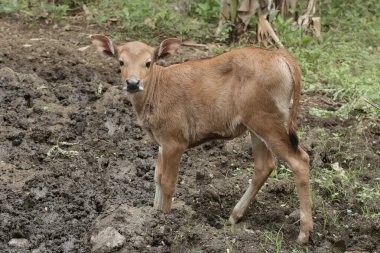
{"x": 73, "y": 161}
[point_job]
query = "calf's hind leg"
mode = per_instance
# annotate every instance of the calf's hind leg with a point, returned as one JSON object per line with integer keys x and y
{"x": 299, "y": 163}
{"x": 264, "y": 165}
{"x": 278, "y": 141}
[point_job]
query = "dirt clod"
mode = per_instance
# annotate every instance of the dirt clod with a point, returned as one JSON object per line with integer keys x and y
{"x": 107, "y": 240}
{"x": 19, "y": 243}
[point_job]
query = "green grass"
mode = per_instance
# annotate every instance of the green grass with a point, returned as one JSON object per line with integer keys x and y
{"x": 145, "y": 20}
{"x": 280, "y": 173}
{"x": 275, "y": 239}
{"x": 37, "y": 9}
{"x": 346, "y": 65}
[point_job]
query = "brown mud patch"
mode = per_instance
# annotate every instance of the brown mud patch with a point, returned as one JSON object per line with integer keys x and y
{"x": 58, "y": 100}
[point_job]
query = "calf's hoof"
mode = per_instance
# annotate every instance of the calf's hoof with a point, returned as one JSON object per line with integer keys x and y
{"x": 303, "y": 238}
{"x": 234, "y": 218}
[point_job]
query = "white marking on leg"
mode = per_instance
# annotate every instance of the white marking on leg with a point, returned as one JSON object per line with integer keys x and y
{"x": 302, "y": 216}
{"x": 158, "y": 198}
{"x": 160, "y": 150}
{"x": 158, "y": 194}
{"x": 243, "y": 203}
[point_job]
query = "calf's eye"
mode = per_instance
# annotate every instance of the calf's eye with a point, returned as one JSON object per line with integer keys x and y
{"x": 147, "y": 64}
{"x": 121, "y": 63}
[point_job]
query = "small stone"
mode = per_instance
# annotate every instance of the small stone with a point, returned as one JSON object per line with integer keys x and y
{"x": 39, "y": 193}
{"x": 339, "y": 246}
{"x": 67, "y": 28}
{"x": 139, "y": 242}
{"x": 107, "y": 240}
{"x": 294, "y": 216}
{"x": 325, "y": 247}
{"x": 199, "y": 175}
{"x": 19, "y": 243}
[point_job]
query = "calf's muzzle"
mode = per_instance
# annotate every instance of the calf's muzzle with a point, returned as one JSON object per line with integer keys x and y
{"x": 133, "y": 85}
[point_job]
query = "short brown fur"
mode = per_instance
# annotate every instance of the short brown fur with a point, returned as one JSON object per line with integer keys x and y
{"x": 187, "y": 104}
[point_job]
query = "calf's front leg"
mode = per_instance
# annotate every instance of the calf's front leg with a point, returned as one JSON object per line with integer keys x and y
{"x": 166, "y": 174}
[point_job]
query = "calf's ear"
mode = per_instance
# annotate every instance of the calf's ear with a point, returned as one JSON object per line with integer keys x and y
{"x": 168, "y": 46}
{"x": 104, "y": 45}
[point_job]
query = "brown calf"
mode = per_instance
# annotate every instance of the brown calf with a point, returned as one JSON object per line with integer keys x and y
{"x": 187, "y": 104}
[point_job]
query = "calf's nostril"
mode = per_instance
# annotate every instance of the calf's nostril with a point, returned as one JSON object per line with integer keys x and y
{"x": 133, "y": 81}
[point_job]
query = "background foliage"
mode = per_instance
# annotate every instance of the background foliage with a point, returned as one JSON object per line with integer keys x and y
{"x": 345, "y": 66}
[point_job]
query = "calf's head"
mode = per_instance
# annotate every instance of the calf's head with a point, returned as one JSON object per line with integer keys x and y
{"x": 136, "y": 59}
